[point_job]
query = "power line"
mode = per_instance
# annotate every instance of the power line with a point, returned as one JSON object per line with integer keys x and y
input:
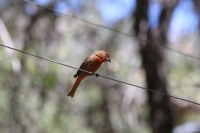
{"x": 116, "y": 31}
{"x": 98, "y": 75}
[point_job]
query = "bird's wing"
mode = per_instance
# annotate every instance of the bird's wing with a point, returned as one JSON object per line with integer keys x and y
{"x": 87, "y": 62}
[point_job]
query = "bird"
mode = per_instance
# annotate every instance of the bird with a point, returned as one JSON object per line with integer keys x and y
{"x": 90, "y": 64}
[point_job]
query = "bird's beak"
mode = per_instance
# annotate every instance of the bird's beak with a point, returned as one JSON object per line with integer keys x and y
{"x": 108, "y": 59}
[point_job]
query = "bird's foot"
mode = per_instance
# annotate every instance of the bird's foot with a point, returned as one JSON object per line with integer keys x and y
{"x": 97, "y": 75}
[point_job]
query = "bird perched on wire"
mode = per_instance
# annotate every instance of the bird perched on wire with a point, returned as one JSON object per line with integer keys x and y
{"x": 90, "y": 64}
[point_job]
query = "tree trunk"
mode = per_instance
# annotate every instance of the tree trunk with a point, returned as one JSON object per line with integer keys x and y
{"x": 161, "y": 114}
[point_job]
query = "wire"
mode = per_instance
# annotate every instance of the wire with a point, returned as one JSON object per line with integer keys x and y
{"x": 119, "y": 32}
{"x": 44, "y": 58}
{"x": 98, "y": 75}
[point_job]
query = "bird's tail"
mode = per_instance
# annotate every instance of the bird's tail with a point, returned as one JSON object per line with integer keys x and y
{"x": 73, "y": 89}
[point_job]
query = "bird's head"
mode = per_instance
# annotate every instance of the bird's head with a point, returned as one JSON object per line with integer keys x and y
{"x": 102, "y": 55}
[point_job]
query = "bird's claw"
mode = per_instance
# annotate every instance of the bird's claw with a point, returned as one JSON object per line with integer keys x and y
{"x": 97, "y": 75}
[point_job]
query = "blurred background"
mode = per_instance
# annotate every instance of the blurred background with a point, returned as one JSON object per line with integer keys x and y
{"x": 33, "y": 92}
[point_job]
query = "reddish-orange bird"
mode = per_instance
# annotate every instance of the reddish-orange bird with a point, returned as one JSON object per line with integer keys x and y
{"x": 91, "y": 64}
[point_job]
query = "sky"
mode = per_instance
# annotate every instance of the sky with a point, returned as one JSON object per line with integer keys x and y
{"x": 184, "y": 19}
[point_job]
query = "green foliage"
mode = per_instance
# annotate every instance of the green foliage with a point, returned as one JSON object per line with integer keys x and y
{"x": 34, "y": 99}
